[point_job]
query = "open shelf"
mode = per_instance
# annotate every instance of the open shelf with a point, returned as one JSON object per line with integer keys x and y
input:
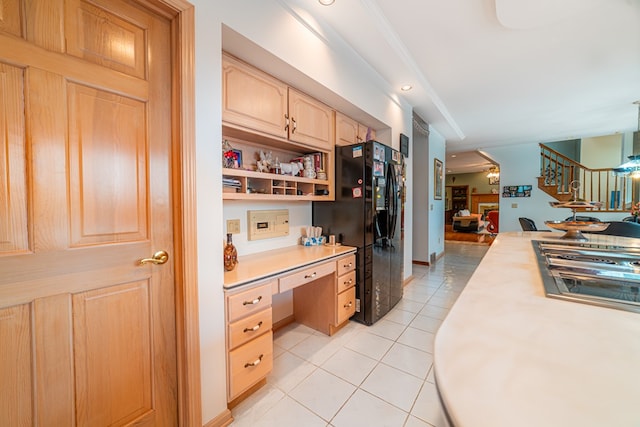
{"x": 252, "y": 185}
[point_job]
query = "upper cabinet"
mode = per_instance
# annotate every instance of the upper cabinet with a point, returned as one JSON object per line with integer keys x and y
{"x": 256, "y": 101}
{"x": 349, "y": 131}
{"x": 310, "y": 121}
{"x": 262, "y": 116}
{"x": 346, "y": 130}
{"x": 253, "y": 99}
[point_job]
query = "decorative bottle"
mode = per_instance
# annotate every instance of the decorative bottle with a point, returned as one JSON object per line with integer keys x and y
{"x": 230, "y": 254}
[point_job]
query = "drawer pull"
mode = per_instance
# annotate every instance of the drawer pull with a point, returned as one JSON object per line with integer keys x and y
{"x": 255, "y": 362}
{"x": 310, "y": 276}
{"x": 348, "y": 282}
{"x": 348, "y": 305}
{"x": 348, "y": 265}
{"x": 255, "y": 328}
{"x": 254, "y": 302}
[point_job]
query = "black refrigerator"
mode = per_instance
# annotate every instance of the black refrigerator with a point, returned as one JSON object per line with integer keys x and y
{"x": 367, "y": 213}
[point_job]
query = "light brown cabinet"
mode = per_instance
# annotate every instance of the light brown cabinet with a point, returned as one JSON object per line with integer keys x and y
{"x": 249, "y": 338}
{"x": 261, "y": 113}
{"x": 310, "y": 122}
{"x": 254, "y": 100}
{"x": 349, "y": 131}
{"x": 322, "y": 282}
{"x": 328, "y": 302}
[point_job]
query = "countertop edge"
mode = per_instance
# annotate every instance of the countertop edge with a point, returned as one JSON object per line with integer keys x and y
{"x": 257, "y": 266}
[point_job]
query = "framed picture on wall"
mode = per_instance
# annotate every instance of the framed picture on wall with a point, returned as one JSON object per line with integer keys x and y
{"x": 438, "y": 179}
{"x": 494, "y": 180}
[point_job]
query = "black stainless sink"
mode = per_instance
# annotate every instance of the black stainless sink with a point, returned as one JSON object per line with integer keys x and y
{"x": 598, "y": 274}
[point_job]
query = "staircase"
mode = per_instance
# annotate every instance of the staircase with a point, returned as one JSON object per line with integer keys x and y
{"x": 557, "y": 171}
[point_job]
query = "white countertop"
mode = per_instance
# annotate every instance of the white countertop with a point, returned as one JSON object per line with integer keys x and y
{"x": 265, "y": 264}
{"x": 506, "y": 355}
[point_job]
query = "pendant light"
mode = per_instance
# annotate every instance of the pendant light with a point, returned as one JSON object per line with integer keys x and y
{"x": 632, "y": 167}
{"x": 494, "y": 172}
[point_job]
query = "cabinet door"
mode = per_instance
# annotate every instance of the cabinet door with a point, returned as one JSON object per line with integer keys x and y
{"x": 346, "y": 130}
{"x": 253, "y": 99}
{"x": 311, "y": 121}
{"x": 362, "y": 133}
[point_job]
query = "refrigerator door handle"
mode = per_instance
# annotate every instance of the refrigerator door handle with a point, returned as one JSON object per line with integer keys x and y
{"x": 393, "y": 202}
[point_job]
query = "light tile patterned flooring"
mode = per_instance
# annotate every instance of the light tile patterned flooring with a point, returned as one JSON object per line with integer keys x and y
{"x": 381, "y": 375}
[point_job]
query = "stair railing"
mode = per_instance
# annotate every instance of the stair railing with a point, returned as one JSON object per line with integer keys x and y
{"x": 557, "y": 171}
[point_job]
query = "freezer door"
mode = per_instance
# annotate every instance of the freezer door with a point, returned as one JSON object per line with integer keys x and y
{"x": 346, "y": 217}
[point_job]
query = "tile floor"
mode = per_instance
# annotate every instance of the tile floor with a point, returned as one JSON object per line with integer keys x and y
{"x": 379, "y": 375}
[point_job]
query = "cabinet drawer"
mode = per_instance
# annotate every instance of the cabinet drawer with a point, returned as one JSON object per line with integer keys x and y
{"x": 346, "y": 305}
{"x": 346, "y": 264}
{"x": 248, "y": 328}
{"x": 248, "y": 302}
{"x": 249, "y": 363}
{"x": 307, "y": 275}
{"x": 346, "y": 281}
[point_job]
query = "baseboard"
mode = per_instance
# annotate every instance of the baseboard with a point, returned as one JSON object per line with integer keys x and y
{"x": 407, "y": 280}
{"x": 420, "y": 262}
{"x": 283, "y": 322}
{"x": 223, "y": 420}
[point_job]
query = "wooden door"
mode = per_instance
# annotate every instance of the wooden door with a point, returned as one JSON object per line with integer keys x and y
{"x": 311, "y": 121}
{"x": 87, "y": 334}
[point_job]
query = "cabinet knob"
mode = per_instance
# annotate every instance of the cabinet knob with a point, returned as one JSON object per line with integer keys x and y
{"x": 254, "y": 302}
{"x": 310, "y": 276}
{"x": 348, "y": 305}
{"x": 255, "y": 362}
{"x": 348, "y": 265}
{"x": 286, "y": 122}
{"x": 295, "y": 125}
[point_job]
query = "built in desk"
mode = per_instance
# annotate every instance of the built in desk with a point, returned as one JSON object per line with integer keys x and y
{"x": 322, "y": 279}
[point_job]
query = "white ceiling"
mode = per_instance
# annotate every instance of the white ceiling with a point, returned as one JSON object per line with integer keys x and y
{"x": 496, "y": 72}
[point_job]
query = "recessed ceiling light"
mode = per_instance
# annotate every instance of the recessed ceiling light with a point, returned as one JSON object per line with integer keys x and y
{"x": 326, "y": 2}
{"x": 406, "y": 87}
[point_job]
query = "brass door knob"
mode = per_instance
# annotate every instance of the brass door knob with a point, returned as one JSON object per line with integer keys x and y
{"x": 158, "y": 258}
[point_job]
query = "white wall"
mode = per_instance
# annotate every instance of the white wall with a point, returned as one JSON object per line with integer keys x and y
{"x": 436, "y": 207}
{"x": 601, "y": 152}
{"x": 335, "y": 68}
{"x": 421, "y": 196}
{"x": 520, "y": 165}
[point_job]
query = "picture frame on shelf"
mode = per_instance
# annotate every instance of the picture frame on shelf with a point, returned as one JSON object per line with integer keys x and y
{"x": 237, "y": 161}
{"x": 438, "y": 179}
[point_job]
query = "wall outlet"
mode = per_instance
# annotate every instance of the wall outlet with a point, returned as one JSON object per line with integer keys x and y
{"x": 233, "y": 226}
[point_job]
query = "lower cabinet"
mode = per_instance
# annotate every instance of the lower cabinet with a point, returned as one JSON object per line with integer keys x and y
{"x": 324, "y": 297}
{"x": 345, "y": 289}
{"x": 327, "y": 303}
{"x": 249, "y": 338}
{"x": 250, "y": 363}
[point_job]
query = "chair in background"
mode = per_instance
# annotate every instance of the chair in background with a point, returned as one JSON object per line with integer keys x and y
{"x": 620, "y": 228}
{"x": 527, "y": 224}
{"x": 493, "y": 219}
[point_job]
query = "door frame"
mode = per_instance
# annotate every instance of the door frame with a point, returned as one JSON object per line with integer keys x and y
{"x": 182, "y": 17}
